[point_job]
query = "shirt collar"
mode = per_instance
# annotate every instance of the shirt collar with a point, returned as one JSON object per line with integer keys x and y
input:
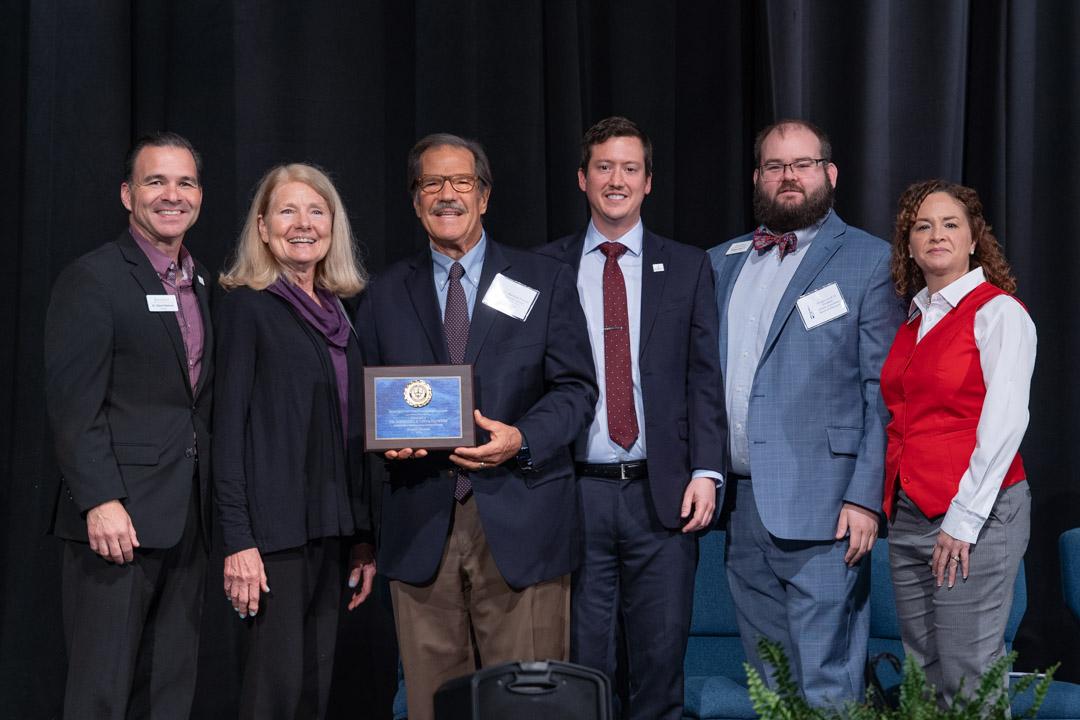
{"x": 632, "y": 239}
{"x": 472, "y": 262}
{"x": 161, "y": 262}
{"x": 952, "y": 293}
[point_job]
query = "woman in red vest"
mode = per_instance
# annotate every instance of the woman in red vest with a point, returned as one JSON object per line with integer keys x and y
{"x": 956, "y": 382}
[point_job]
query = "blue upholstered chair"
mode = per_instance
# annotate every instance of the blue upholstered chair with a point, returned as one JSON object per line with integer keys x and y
{"x": 400, "y": 709}
{"x": 715, "y": 677}
{"x": 1069, "y": 547}
{"x": 1061, "y": 703}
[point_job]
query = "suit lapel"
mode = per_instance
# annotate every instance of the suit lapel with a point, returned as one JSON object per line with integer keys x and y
{"x": 729, "y": 272}
{"x": 482, "y": 315}
{"x": 571, "y": 251}
{"x": 421, "y": 289}
{"x": 653, "y": 252}
{"x": 202, "y": 293}
{"x": 821, "y": 250}
{"x": 148, "y": 279}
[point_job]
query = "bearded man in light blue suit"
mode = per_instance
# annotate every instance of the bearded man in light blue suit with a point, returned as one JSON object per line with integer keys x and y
{"x": 807, "y": 315}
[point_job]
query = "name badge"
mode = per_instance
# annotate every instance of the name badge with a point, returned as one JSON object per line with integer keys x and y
{"x": 161, "y": 303}
{"x": 821, "y": 306}
{"x": 510, "y": 297}
{"x": 739, "y": 247}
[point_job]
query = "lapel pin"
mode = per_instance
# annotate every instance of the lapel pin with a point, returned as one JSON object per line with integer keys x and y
{"x": 658, "y": 267}
{"x": 201, "y": 281}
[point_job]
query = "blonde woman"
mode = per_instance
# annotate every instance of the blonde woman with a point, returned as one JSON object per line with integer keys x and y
{"x": 288, "y": 422}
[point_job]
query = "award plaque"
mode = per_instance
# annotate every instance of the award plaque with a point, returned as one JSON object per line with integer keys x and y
{"x": 418, "y": 406}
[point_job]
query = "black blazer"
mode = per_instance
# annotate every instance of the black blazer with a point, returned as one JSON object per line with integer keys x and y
{"x": 125, "y": 418}
{"x": 679, "y": 363}
{"x": 283, "y": 475}
{"x": 535, "y": 374}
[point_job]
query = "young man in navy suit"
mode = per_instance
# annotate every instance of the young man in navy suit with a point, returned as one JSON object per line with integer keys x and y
{"x": 650, "y": 464}
{"x": 479, "y": 543}
{"x": 807, "y": 314}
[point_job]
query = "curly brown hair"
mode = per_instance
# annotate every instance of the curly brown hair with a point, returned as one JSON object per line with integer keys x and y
{"x": 907, "y": 276}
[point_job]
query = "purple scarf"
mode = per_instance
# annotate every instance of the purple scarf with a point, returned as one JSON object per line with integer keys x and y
{"x": 332, "y": 324}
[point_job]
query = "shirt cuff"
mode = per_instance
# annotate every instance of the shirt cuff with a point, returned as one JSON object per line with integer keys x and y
{"x": 962, "y": 524}
{"x": 718, "y": 478}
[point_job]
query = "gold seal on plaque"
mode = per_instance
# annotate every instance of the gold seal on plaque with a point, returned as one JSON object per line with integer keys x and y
{"x": 417, "y": 393}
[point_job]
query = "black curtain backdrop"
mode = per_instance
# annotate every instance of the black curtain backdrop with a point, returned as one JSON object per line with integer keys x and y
{"x": 982, "y": 91}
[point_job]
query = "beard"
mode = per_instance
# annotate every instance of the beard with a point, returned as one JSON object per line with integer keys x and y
{"x": 782, "y": 218}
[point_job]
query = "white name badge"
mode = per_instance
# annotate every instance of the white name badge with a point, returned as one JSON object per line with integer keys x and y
{"x": 658, "y": 267}
{"x": 739, "y": 247}
{"x": 821, "y": 306}
{"x": 161, "y": 303}
{"x": 510, "y": 297}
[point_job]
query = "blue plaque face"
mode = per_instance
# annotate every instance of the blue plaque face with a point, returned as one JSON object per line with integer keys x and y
{"x": 415, "y": 408}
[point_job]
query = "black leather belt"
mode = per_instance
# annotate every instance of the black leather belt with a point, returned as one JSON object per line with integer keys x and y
{"x": 614, "y": 471}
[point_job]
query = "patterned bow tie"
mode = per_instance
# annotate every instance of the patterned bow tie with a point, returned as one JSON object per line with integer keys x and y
{"x": 764, "y": 240}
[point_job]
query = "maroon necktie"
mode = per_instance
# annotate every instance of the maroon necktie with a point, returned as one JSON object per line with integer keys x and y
{"x": 618, "y": 383}
{"x": 456, "y": 327}
{"x": 764, "y": 240}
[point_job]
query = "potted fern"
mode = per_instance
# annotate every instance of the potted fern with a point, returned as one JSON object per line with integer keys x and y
{"x": 917, "y": 699}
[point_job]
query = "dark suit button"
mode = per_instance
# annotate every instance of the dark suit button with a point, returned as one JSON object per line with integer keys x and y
{"x": 189, "y": 452}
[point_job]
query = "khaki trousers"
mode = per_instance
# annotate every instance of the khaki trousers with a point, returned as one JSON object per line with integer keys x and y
{"x": 468, "y": 617}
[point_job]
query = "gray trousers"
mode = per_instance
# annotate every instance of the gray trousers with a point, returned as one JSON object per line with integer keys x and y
{"x": 956, "y": 633}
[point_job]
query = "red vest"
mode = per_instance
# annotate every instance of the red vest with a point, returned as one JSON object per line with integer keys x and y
{"x": 935, "y": 392}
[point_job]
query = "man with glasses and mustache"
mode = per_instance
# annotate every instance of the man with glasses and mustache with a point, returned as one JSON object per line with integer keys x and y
{"x": 479, "y": 543}
{"x": 807, "y": 314}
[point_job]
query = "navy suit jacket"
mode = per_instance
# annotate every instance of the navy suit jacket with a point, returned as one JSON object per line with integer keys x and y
{"x": 536, "y": 374}
{"x": 125, "y": 417}
{"x": 681, "y": 384}
{"x": 816, "y": 422}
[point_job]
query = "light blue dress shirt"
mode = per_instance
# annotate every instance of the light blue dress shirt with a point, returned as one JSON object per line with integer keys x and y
{"x": 472, "y": 261}
{"x": 596, "y": 446}
{"x": 754, "y": 300}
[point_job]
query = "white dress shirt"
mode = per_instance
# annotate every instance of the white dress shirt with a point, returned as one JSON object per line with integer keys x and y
{"x": 1006, "y": 340}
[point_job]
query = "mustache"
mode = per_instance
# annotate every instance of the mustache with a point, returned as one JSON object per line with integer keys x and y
{"x": 448, "y": 205}
{"x": 790, "y": 185}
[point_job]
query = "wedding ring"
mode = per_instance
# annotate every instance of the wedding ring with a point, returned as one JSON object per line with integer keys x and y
{"x": 956, "y": 558}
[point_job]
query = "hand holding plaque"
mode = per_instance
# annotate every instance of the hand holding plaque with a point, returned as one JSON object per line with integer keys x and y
{"x": 418, "y": 406}
{"x": 504, "y": 443}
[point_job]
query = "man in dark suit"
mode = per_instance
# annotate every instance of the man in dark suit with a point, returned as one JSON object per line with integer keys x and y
{"x": 128, "y": 363}
{"x": 479, "y": 543}
{"x": 653, "y": 326}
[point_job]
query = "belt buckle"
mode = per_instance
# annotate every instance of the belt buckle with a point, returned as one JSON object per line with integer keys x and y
{"x": 622, "y": 471}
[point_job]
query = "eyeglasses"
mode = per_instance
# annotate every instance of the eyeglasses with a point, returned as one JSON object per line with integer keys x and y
{"x": 801, "y": 167}
{"x": 432, "y": 184}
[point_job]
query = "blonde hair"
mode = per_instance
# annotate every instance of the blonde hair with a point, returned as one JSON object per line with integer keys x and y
{"x": 254, "y": 266}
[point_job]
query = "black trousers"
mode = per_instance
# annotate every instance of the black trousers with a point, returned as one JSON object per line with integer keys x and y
{"x": 132, "y": 630}
{"x": 290, "y": 648}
